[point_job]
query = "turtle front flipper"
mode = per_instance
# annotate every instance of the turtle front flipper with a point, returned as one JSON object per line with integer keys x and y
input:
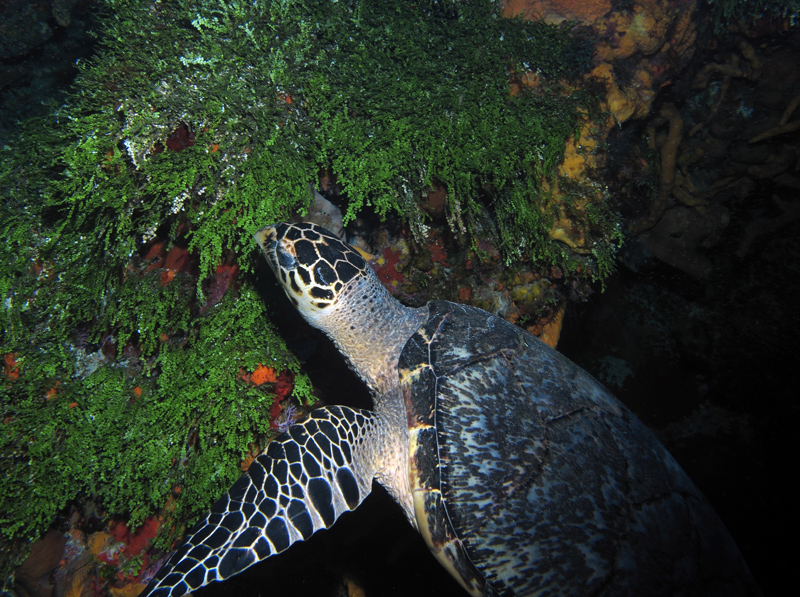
{"x": 302, "y": 483}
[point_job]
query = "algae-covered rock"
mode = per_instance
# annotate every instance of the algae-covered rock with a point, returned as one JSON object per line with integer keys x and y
{"x": 132, "y": 324}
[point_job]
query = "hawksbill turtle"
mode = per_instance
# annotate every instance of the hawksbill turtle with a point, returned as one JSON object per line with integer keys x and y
{"x": 522, "y": 473}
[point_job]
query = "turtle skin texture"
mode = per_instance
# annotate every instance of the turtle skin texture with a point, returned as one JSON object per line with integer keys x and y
{"x": 531, "y": 472}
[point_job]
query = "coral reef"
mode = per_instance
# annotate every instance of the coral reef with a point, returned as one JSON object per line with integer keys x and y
{"x": 141, "y": 371}
{"x": 751, "y": 14}
{"x": 638, "y": 47}
{"x": 129, "y": 307}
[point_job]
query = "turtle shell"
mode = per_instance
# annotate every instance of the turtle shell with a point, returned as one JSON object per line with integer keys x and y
{"x": 529, "y": 477}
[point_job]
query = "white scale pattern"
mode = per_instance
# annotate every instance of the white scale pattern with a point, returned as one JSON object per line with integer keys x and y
{"x": 302, "y": 483}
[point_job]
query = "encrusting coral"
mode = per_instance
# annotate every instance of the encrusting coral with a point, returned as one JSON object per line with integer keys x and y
{"x": 650, "y": 40}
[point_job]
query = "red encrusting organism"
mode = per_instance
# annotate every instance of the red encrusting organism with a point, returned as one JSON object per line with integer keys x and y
{"x": 386, "y": 268}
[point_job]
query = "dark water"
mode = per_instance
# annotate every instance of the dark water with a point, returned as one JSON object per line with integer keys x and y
{"x": 374, "y": 546}
{"x": 714, "y": 372}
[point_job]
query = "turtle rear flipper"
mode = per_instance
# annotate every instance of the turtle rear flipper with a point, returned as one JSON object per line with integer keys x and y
{"x": 303, "y": 482}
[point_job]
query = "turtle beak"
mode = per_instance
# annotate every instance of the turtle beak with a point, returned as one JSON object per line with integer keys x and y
{"x": 266, "y": 237}
{"x": 277, "y": 256}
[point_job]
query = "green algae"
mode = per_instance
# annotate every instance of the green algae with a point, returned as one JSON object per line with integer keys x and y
{"x": 195, "y": 124}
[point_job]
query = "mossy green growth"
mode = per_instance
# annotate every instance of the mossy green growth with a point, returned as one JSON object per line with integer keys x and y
{"x": 409, "y": 96}
{"x": 195, "y": 124}
{"x": 127, "y": 431}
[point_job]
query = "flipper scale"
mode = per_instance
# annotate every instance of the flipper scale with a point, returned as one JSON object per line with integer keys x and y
{"x": 305, "y": 479}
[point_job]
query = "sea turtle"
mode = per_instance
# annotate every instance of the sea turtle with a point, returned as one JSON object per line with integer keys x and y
{"x": 522, "y": 473}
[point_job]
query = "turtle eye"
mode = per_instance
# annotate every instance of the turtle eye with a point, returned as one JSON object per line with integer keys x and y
{"x": 284, "y": 258}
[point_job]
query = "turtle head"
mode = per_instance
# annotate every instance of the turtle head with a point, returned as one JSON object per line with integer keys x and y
{"x": 313, "y": 266}
{"x": 335, "y": 290}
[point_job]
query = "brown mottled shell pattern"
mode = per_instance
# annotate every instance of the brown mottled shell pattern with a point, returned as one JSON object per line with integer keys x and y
{"x": 531, "y": 473}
